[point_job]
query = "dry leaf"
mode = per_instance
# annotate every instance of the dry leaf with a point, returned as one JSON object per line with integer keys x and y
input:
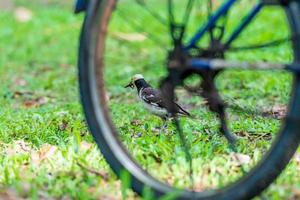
{"x": 35, "y": 102}
{"x": 241, "y": 158}
{"x": 137, "y": 135}
{"x": 18, "y": 94}
{"x": 30, "y": 103}
{"x": 18, "y": 147}
{"x": 23, "y": 14}
{"x": 42, "y": 100}
{"x": 107, "y": 96}
{"x": 108, "y": 197}
{"x": 84, "y": 146}
{"x": 10, "y": 194}
{"x": 279, "y": 111}
{"x": 20, "y": 82}
{"x": 35, "y": 158}
{"x": 103, "y": 175}
{"x": 136, "y": 122}
{"x": 297, "y": 158}
{"x": 6, "y": 5}
{"x": 63, "y": 125}
{"x": 295, "y": 194}
{"x": 46, "y": 152}
{"x": 130, "y": 37}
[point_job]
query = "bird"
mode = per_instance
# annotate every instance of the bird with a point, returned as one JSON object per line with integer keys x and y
{"x": 153, "y": 100}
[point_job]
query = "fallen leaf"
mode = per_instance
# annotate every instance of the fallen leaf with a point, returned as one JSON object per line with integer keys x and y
{"x": 23, "y": 14}
{"x": 136, "y": 122}
{"x": 130, "y": 37}
{"x": 137, "y": 135}
{"x": 297, "y": 158}
{"x": 6, "y": 5}
{"x": 29, "y": 103}
{"x": 156, "y": 158}
{"x": 279, "y": 111}
{"x": 108, "y": 197}
{"x": 103, "y": 175}
{"x": 35, "y": 158}
{"x": 18, "y": 94}
{"x": 18, "y": 147}
{"x": 241, "y": 159}
{"x": 107, "y": 96}
{"x": 23, "y": 145}
{"x": 20, "y": 81}
{"x": 35, "y": 102}
{"x": 63, "y": 125}
{"x": 254, "y": 136}
{"x": 295, "y": 194}
{"x": 42, "y": 100}
{"x": 10, "y": 194}
{"x": 47, "y": 151}
{"x": 84, "y": 146}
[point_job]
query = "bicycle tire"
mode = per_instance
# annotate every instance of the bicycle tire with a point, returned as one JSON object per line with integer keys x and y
{"x": 100, "y": 125}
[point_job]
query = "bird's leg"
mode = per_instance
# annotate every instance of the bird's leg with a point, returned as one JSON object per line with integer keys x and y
{"x": 164, "y": 125}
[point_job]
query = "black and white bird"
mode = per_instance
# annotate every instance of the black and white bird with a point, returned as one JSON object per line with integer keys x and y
{"x": 152, "y": 98}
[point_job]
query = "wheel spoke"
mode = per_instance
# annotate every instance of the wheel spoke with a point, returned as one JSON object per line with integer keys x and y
{"x": 197, "y": 150}
{"x": 270, "y": 44}
{"x": 171, "y": 14}
{"x": 232, "y": 140}
{"x": 167, "y": 88}
{"x": 229, "y": 102}
{"x": 138, "y": 27}
{"x": 221, "y": 27}
{"x": 152, "y": 12}
{"x": 250, "y": 111}
{"x": 209, "y": 14}
{"x": 185, "y": 146}
{"x": 154, "y": 62}
{"x": 188, "y": 12}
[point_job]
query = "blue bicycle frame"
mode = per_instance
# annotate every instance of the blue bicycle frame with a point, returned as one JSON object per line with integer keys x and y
{"x": 219, "y": 13}
{"x": 80, "y": 6}
{"x": 199, "y": 64}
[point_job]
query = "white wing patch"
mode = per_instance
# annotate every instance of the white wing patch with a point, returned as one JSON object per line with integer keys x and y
{"x": 152, "y": 107}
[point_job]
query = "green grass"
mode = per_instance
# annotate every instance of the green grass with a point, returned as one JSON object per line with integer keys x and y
{"x": 43, "y": 135}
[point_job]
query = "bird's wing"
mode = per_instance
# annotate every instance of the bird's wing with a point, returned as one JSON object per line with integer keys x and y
{"x": 152, "y": 96}
{"x": 182, "y": 111}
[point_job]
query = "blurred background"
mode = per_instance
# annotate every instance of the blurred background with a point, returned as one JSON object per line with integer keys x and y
{"x": 46, "y": 151}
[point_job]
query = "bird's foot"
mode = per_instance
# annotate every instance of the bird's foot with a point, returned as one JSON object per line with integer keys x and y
{"x": 160, "y": 129}
{"x": 137, "y": 135}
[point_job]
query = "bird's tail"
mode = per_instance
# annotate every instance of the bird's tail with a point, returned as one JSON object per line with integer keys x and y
{"x": 182, "y": 111}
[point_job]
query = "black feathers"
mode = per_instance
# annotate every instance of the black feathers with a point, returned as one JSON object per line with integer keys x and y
{"x": 153, "y": 98}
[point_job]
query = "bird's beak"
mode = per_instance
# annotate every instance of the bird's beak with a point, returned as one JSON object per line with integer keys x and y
{"x": 129, "y": 85}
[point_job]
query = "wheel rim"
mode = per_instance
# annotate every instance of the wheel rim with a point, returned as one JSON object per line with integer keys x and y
{"x": 112, "y": 143}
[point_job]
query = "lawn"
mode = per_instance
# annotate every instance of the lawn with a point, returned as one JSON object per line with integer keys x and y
{"x": 46, "y": 149}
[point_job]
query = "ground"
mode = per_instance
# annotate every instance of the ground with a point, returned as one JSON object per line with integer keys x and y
{"x": 46, "y": 149}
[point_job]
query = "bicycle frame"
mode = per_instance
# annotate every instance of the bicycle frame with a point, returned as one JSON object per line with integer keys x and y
{"x": 215, "y": 17}
{"x": 80, "y": 6}
{"x": 200, "y": 64}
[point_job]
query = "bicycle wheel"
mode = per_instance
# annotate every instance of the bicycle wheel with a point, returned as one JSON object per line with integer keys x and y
{"x": 122, "y": 38}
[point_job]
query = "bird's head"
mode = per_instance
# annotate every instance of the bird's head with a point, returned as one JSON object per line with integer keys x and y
{"x": 134, "y": 79}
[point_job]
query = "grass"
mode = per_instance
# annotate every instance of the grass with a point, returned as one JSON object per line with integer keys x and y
{"x": 46, "y": 149}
